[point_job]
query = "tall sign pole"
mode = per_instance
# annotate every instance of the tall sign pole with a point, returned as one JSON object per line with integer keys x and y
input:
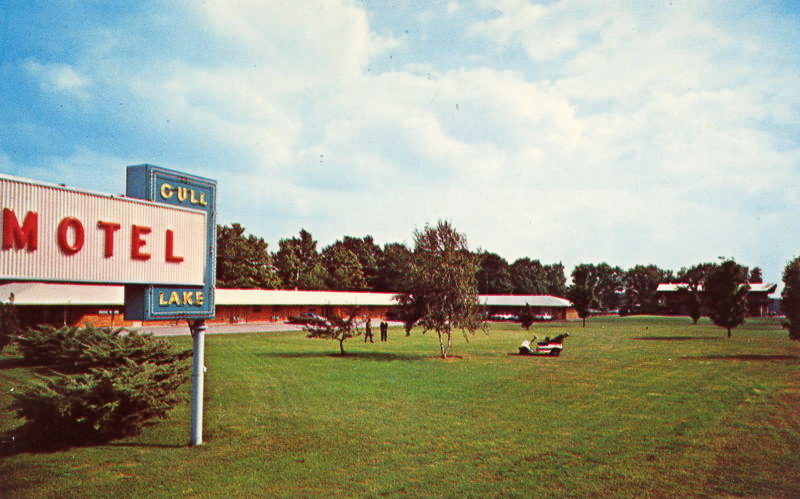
{"x": 198, "y": 330}
{"x": 192, "y": 303}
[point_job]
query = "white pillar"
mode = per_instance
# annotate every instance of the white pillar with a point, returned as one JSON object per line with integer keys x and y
{"x": 198, "y": 330}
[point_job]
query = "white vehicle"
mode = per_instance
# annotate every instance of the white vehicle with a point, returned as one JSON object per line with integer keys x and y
{"x": 502, "y": 317}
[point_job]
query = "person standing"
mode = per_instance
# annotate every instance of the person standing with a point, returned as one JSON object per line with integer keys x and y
{"x": 368, "y": 330}
{"x": 384, "y": 331}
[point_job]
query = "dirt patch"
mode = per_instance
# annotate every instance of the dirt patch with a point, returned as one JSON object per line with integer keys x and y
{"x": 449, "y": 357}
{"x": 676, "y": 338}
{"x": 744, "y": 358}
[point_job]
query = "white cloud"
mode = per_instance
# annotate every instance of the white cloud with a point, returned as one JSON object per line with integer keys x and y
{"x": 58, "y": 78}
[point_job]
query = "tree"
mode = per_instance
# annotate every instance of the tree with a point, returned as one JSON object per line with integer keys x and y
{"x": 693, "y": 277}
{"x": 755, "y": 276}
{"x": 369, "y": 256}
{"x": 393, "y": 267}
{"x": 344, "y": 270}
{"x": 526, "y": 317}
{"x": 494, "y": 276}
{"x": 556, "y": 279}
{"x": 726, "y": 290}
{"x": 335, "y": 328}
{"x": 243, "y": 261}
{"x": 587, "y": 282}
{"x": 641, "y": 283}
{"x": 582, "y": 298}
{"x": 9, "y": 322}
{"x": 608, "y": 288}
{"x": 299, "y": 264}
{"x": 790, "y": 297}
{"x": 106, "y": 384}
{"x": 690, "y": 297}
{"x": 528, "y": 277}
{"x": 442, "y": 287}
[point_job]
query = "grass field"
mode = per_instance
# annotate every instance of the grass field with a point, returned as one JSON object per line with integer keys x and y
{"x": 634, "y": 406}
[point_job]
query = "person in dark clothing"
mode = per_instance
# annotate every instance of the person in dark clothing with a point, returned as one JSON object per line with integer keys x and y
{"x": 384, "y": 331}
{"x": 368, "y": 331}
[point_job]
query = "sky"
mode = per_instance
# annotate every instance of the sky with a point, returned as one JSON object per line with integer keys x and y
{"x": 627, "y": 132}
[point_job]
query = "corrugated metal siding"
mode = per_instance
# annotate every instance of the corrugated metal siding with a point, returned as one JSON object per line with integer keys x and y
{"x": 522, "y": 300}
{"x": 292, "y": 297}
{"x": 54, "y": 203}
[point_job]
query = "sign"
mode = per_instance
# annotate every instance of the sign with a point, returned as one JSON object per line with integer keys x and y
{"x": 54, "y": 233}
{"x": 177, "y": 189}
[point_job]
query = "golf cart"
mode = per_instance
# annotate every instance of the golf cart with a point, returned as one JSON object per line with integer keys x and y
{"x": 547, "y": 347}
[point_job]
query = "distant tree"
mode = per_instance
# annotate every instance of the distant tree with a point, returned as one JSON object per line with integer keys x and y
{"x": 369, "y": 256}
{"x": 336, "y": 328}
{"x": 556, "y": 279}
{"x": 755, "y": 276}
{"x": 243, "y": 261}
{"x": 691, "y": 295}
{"x": 494, "y": 276}
{"x": 299, "y": 263}
{"x": 608, "y": 289}
{"x": 528, "y": 277}
{"x": 344, "y": 270}
{"x": 526, "y": 317}
{"x": 641, "y": 283}
{"x": 695, "y": 273}
{"x": 9, "y": 322}
{"x": 790, "y": 297}
{"x": 582, "y": 292}
{"x": 726, "y": 290}
{"x": 409, "y": 311}
{"x": 442, "y": 287}
{"x": 582, "y": 298}
{"x": 393, "y": 267}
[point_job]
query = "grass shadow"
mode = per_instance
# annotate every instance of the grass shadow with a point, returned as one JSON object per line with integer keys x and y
{"x": 676, "y": 338}
{"x": 145, "y": 445}
{"x": 746, "y": 357}
{"x": 26, "y": 439}
{"x": 373, "y": 356}
{"x": 13, "y": 363}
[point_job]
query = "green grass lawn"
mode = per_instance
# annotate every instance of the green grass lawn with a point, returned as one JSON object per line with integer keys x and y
{"x": 634, "y": 406}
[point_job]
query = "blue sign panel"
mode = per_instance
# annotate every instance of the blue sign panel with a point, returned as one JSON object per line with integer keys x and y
{"x": 154, "y": 302}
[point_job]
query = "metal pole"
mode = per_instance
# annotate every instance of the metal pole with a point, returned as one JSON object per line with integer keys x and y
{"x": 198, "y": 330}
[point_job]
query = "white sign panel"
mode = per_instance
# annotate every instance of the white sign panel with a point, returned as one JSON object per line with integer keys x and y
{"x": 54, "y": 233}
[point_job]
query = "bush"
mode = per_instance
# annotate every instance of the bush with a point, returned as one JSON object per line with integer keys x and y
{"x": 73, "y": 349}
{"x": 106, "y": 384}
{"x": 101, "y": 405}
{"x": 9, "y": 323}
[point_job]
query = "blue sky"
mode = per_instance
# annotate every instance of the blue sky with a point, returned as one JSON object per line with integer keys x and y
{"x": 663, "y": 132}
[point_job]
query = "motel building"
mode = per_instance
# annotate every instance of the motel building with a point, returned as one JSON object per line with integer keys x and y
{"x": 672, "y": 303}
{"x": 103, "y": 305}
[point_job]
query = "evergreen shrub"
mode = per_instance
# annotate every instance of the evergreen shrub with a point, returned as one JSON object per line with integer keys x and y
{"x": 105, "y": 383}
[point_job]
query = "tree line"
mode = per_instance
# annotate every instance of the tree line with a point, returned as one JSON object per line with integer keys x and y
{"x": 359, "y": 264}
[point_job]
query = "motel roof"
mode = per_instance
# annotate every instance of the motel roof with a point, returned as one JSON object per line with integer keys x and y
{"x": 522, "y": 300}
{"x": 38, "y": 293}
{"x": 755, "y": 287}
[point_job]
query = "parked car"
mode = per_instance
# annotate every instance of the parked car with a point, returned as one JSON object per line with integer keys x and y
{"x": 307, "y": 318}
{"x": 503, "y": 317}
{"x": 543, "y": 317}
